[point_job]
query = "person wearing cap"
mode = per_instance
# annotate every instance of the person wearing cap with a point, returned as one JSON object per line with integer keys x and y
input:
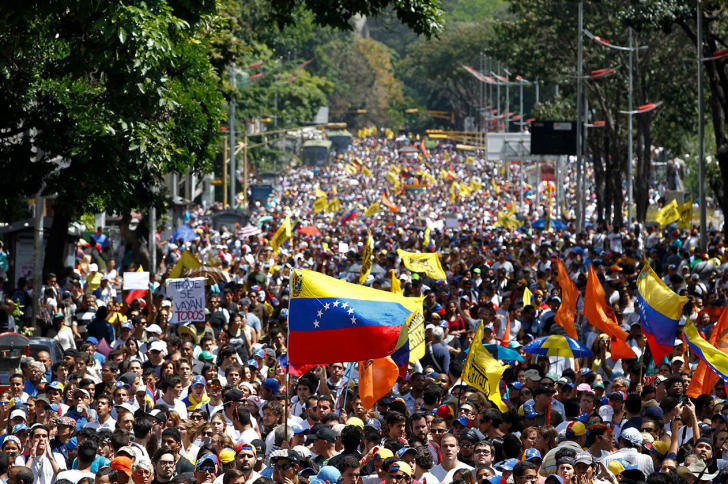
{"x": 196, "y": 397}
{"x": 541, "y": 402}
{"x": 630, "y": 441}
{"x": 286, "y": 464}
{"x": 625, "y": 471}
{"x": 61, "y": 443}
{"x": 323, "y": 445}
{"x": 245, "y": 460}
{"x": 206, "y": 468}
{"x": 399, "y": 472}
{"x": 449, "y": 463}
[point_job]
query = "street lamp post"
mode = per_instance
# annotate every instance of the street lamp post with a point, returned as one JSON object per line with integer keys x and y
{"x": 701, "y": 133}
{"x": 579, "y": 133}
{"x": 231, "y": 130}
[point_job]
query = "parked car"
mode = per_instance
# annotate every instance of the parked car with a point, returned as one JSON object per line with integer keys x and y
{"x": 14, "y": 346}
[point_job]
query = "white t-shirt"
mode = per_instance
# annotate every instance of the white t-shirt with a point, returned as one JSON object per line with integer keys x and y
{"x": 110, "y": 424}
{"x": 446, "y": 476}
{"x": 43, "y": 469}
{"x": 74, "y": 475}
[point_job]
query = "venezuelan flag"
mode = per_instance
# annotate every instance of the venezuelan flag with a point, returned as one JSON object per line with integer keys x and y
{"x": 713, "y": 357}
{"x": 350, "y": 215}
{"x": 331, "y": 320}
{"x": 149, "y": 398}
{"x": 660, "y": 312}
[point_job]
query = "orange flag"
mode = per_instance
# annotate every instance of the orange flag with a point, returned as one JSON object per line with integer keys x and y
{"x": 387, "y": 203}
{"x": 566, "y": 314}
{"x": 376, "y": 378}
{"x": 704, "y": 380}
{"x": 507, "y": 335}
{"x": 602, "y": 317}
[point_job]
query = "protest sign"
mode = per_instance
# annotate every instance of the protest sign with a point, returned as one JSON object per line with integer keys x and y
{"x": 136, "y": 280}
{"x": 188, "y": 299}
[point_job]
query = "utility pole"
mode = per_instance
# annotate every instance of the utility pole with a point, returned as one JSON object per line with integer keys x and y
{"x": 153, "y": 239}
{"x": 231, "y": 130}
{"x": 579, "y": 133}
{"x": 630, "y": 154}
{"x": 38, "y": 252}
{"x": 225, "y": 155}
{"x": 701, "y": 135}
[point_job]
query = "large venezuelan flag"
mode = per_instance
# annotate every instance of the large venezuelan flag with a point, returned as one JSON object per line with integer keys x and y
{"x": 712, "y": 356}
{"x": 331, "y": 320}
{"x": 660, "y": 312}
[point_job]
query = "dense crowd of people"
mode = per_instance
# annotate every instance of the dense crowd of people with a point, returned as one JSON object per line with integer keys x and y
{"x": 133, "y": 396}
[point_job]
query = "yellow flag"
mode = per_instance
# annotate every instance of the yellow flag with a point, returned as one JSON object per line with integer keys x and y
{"x": 483, "y": 371}
{"x": 447, "y": 156}
{"x": 320, "y": 193}
{"x": 495, "y": 186}
{"x": 366, "y": 261}
{"x": 527, "y": 295}
{"x": 475, "y": 186}
{"x": 453, "y": 191}
{"x": 373, "y": 208}
{"x": 668, "y": 214}
{"x": 320, "y": 204}
{"x": 391, "y": 177}
{"x": 333, "y": 206}
{"x": 396, "y": 288}
{"x": 350, "y": 169}
{"x": 282, "y": 234}
{"x": 389, "y": 133}
{"x": 686, "y": 214}
{"x": 416, "y": 334}
{"x": 186, "y": 262}
{"x": 422, "y": 262}
{"x": 366, "y": 171}
{"x": 469, "y": 160}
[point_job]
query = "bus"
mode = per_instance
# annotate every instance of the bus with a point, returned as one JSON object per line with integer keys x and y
{"x": 316, "y": 152}
{"x": 341, "y": 140}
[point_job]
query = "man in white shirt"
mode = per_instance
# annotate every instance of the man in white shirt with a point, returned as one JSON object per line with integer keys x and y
{"x": 171, "y": 385}
{"x": 449, "y": 464}
{"x": 86, "y": 455}
{"x": 44, "y": 464}
{"x": 104, "y": 420}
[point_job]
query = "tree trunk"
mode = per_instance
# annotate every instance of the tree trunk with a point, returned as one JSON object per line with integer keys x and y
{"x": 641, "y": 182}
{"x": 54, "y": 259}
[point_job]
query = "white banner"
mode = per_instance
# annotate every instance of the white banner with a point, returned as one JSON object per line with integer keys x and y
{"x": 188, "y": 299}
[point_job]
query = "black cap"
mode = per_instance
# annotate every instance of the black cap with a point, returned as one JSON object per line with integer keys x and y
{"x": 233, "y": 394}
{"x": 469, "y": 435}
{"x": 325, "y": 433}
{"x": 289, "y": 454}
{"x": 259, "y": 447}
{"x": 542, "y": 390}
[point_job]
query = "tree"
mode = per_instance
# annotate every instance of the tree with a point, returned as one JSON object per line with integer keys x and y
{"x": 104, "y": 98}
{"x": 433, "y": 69}
{"x": 540, "y": 38}
{"x": 667, "y": 15}
{"x": 364, "y": 75}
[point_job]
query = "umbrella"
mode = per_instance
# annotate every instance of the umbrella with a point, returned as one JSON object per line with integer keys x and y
{"x": 266, "y": 218}
{"x": 212, "y": 275}
{"x": 184, "y": 233}
{"x": 309, "y": 230}
{"x": 557, "y": 345}
{"x": 555, "y": 224}
{"x": 249, "y": 231}
{"x": 502, "y": 353}
{"x": 376, "y": 269}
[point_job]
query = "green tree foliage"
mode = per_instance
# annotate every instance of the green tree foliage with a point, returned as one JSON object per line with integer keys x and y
{"x": 112, "y": 96}
{"x": 433, "y": 71}
{"x": 365, "y": 80}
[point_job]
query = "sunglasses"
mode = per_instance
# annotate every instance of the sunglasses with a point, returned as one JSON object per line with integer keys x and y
{"x": 283, "y": 466}
{"x": 399, "y": 477}
{"x": 206, "y": 469}
{"x": 438, "y": 431}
